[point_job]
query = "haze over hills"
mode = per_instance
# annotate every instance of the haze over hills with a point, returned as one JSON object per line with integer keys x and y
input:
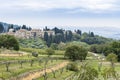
{"x": 109, "y": 32}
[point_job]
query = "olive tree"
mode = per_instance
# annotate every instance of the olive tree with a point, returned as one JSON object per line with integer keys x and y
{"x": 50, "y": 52}
{"x": 75, "y": 52}
{"x": 112, "y": 58}
{"x": 8, "y": 41}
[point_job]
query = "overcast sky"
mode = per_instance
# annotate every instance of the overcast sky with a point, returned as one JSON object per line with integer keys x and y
{"x": 97, "y": 13}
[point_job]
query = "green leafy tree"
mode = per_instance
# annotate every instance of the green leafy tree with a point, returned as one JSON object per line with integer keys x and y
{"x": 57, "y": 30}
{"x": 10, "y": 26}
{"x": 8, "y": 41}
{"x": 7, "y": 66}
{"x": 68, "y": 36}
{"x": 24, "y": 27}
{"x": 50, "y": 40}
{"x": 34, "y": 54}
{"x": 46, "y": 38}
{"x": 58, "y": 38}
{"x": 54, "y": 46}
{"x": 91, "y": 34}
{"x": 116, "y": 49}
{"x": 50, "y": 52}
{"x": 76, "y": 37}
{"x": 79, "y": 32}
{"x": 76, "y": 53}
{"x": 1, "y": 28}
{"x": 62, "y": 46}
{"x": 46, "y": 29}
{"x": 112, "y": 58}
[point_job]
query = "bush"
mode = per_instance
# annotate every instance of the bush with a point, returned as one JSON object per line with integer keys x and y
{"x": 112, "y": 57}
{"x": 35, "y": 54}
{"x": 50, "y": 52}
{"x": 72, "y": 66}
{"x": 75, "y": 52}
{"x": 87, "y": 72}
{"x": 110, "y": 73}
{"x": 8, "y": 41}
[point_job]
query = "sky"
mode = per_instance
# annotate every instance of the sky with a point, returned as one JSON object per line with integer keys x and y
{"x": 36, "y": 13}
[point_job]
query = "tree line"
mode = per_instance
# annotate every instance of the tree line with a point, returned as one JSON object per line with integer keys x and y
{"x": 68, "y": 36}
{"x": 11, "y": 26}
{"x": 14, "y": 27}
{"x": 107, "y": 49}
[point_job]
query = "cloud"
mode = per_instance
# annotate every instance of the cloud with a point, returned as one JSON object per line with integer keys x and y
{"x": 79, "y": 5}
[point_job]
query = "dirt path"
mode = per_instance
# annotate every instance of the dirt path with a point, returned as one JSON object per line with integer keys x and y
{"x": 13, "y": 55}
{"x": 48, "y": 70}
{"x": 10, "y": 55}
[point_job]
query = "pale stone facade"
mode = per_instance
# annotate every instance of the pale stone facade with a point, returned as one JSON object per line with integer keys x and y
{"x": 22, "y": 33}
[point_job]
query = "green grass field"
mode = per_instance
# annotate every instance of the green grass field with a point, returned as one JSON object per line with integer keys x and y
{"x": 58, "y": 75}
{"x": 15, "y": 68}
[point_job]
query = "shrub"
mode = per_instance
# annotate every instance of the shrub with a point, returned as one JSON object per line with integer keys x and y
{"x": 72, "y": 66}
{"x": 35, "y": 54}
{"x": 50, "y": 52}
{"x": 75, "y": 52}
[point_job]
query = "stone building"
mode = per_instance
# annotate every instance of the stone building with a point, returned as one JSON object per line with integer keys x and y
{"x": 22, "y": 33}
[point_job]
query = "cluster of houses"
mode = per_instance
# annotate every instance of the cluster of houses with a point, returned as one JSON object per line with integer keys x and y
{"x": 23, "y": 33}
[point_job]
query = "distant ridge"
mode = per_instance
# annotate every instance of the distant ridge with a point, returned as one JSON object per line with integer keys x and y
{"x": 4, "y": 27}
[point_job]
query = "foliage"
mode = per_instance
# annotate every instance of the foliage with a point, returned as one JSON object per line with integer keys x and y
{"x": 110, "y": 74}
{"x": 32, "y": 43}
{"x": 106, "y": 49}
{"x": 68, "y": 36}
{"x": 62, "y": 46}
{"x": 30, "y": 50}
{"x": 54, "y": 46}
{"x": 1, "y": 28}
{"x": 76, "y": 37}
{"x": 76, "y": 53}
{"x": 60, "y": 36}
{"x": 24, "y": 27}
{"x": 57, "y": 38}
{"x": 41, "y": 51}
{"x": 18, "y": 69}
{"x": 115, "y": 47}
{"x": 45, "y": 36}
{"x": 50, "y": 52}
{"x": 112, "y": 57}
{"x": 85, "y": 45}
{"x": 9, "y": 42}
{"x": 99, "y": 48}
{"x": 27, "y": 28}
{"x": 72, "y": 66}
{"x": 78, "y": 32}
{"x": 87, "y": 72}
{"x": 34, "y": 54}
